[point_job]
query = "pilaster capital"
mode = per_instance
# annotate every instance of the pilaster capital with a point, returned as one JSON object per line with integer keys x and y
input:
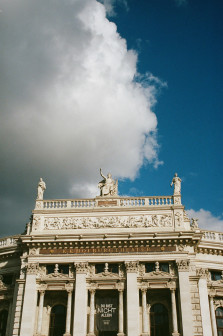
{"x": 212, "y": 293}
{"x": 69, "y": 287}
{"x": 172, "y": 285}
{"x": 183, "y": 265}
{"x": 81, "y": 267}
{"x": 202, "y": 273}
{"x": 132, "y": 266}
{"x": 120, "y": 286}
{"x": 32, "y": 268}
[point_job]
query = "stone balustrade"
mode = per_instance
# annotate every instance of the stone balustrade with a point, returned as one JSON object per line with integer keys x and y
{"x": 8, "y": 241}
{"x": 98, "y": 202}
{"x": 212, "y": 236}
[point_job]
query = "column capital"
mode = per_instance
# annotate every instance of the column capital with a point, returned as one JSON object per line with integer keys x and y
{"x": 172, "y": 286}
{"x": 132, "y": 266}
{"x": 92, "y": 290}
{"x": 183, "y": 265}
{"x": 81, "y": 267}
{"x": 144, "y": 289}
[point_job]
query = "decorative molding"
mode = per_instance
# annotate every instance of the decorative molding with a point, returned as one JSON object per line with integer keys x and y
{"x": 183, "y": 265}
{"x": 36, "y": 223}
{"x": 218, "y": 303}
{"x": 179, "y": 219}
{"x": 67, "y": 223}
{"x": 132, "y": 266}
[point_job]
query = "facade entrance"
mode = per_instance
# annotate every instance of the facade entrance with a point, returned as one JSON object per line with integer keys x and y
{"x": 57, "y": 321}
{"x": 159, "y": 320}
{"x": 219, "y": 320}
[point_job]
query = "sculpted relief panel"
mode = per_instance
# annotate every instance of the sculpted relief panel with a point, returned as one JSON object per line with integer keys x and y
{"x": 58, "y": 223}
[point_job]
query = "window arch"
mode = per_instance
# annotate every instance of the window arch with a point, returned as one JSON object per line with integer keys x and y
{"x": 159, "y": 320}
{"x": 219, "y": 320}
{"x": 3, "y": 321}
{"x": 57, "y": 320}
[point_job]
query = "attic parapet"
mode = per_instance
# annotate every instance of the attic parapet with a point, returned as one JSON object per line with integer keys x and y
{"x": 100, "y": 202}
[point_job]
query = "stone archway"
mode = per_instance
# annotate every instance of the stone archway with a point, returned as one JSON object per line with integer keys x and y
{"x": 159, "y": 320}
{"x": 57, "y": 320}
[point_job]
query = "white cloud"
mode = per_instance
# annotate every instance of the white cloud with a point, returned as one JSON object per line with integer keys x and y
{"x": 72, "y": 100}
{"x": 206, "y": 219}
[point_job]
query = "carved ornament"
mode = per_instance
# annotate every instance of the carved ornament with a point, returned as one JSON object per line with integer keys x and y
{"x": 132, "y": 266}
{"x": 218, "y": 303}
{"x": 67, "y": 223}
{"x": 183, "y": 265}
{"x": 202, "y": 273}
{"x": 32, "y": 268}
{"x": 81, "y": 267}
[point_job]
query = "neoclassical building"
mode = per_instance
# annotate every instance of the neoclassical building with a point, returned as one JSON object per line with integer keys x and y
{"x": 110, "y": 265}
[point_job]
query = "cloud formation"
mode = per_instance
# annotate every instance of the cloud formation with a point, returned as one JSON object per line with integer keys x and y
{"x": 206, "y": 219}
{"x": 71, "y": 101}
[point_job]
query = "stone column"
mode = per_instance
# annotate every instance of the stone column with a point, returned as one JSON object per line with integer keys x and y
{"x": 92, "y": 309}
{"x": 213, "y": 317}
{"x": 174, "y": 312}
{"x": 132, "y": 299}
{"x": 204, "y": 302}
{"x": 80, "y": 302}
{"x": 120, "y": 313}
{"x": 185, "y": 297}
{"x": 68, "y": 318}
{"x": 29, "y": 302}
{"x": 145, "y": 325}
{"x": 40, "y": 314}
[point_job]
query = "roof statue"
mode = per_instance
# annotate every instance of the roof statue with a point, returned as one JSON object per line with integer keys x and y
{"x": 41, "y": 188}
{"x": 177, "y": 185}
{"x": 108, "y": 186}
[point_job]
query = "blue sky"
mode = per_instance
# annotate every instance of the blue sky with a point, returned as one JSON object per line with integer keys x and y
{"x": 78, "y": 91}
{"x": 182, "y": 45}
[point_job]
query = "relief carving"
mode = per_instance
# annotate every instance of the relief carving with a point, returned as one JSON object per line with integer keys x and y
{"x": 36, "y": 223}
{"x": 202, "y": 273}
{"x": 81, "y": 267}
{"x": 178, "y": 219}
{"x": 32, "y": 268}
{"x": 56, "y": 223}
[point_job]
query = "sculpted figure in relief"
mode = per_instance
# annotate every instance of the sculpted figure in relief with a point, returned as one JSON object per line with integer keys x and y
{"x": 177, "y": 184}
{"x": 41, "y": 188}
{"x": 108, "y": 186}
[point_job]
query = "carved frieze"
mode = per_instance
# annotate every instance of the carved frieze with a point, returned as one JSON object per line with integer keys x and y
{"x": 66, "y": 223}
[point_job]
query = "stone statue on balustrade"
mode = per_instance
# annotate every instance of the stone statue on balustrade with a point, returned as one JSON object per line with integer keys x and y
{"x": 108, "y": 186}
{"x": 41, "y": 188}
{"x": 177, "y": 185}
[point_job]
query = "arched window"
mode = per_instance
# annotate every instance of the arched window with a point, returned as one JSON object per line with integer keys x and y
{"x": 159, "y": 320}
{"x": 3, "y": 321}
{"x": 57, "y": 321}
{"x": 219, "y": 320}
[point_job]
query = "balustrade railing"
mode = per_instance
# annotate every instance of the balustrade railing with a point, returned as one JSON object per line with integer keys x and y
{"x": 8, "y": 241}
{"x": 98, "y": 202}
{"x": 212, "y": 236}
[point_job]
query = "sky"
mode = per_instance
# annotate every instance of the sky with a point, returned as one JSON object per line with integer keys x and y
{"x": 131, "y": 86}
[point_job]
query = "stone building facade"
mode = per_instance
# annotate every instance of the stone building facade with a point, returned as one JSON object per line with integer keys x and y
{"x": 112, "y": 265}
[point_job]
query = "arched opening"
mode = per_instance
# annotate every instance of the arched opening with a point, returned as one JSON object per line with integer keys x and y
{"x": 3, "y": 322}
{"x": 159, "y": 320}
{"x": 219, "y": 320}
{"x": 57, "y": 320}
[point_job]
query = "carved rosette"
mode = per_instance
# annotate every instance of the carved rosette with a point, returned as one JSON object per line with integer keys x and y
{"x": 202, "y": 273}
{"x": 81, "y": 267}
{"x": 132, "y": 266}
{"x": 32, "y": 268}
{"x": 183, "y": 265}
